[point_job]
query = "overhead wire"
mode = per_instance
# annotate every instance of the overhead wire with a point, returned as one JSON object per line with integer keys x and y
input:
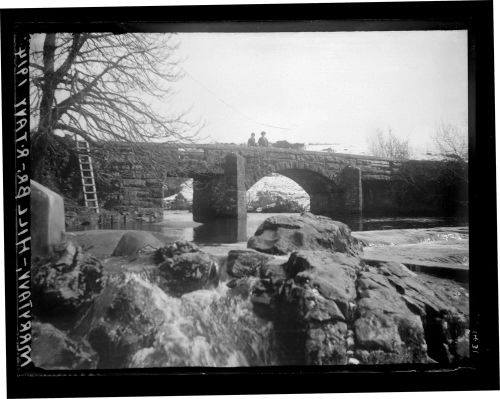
{"x": 230, "y": 105}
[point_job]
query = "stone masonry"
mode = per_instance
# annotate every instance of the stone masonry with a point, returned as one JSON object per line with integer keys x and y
{"x": 336, "y": 183}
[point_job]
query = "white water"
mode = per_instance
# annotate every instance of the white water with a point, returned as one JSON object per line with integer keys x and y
{"x": 205, "y": 328}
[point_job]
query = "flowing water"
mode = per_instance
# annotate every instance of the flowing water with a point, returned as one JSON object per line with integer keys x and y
{"x": 207, "y": 328}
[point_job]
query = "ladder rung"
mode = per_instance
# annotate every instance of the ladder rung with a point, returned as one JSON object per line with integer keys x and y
{"x": 87, "y": 174}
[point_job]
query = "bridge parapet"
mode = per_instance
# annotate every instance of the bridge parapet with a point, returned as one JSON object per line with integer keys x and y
{"x": 194, "y": 159}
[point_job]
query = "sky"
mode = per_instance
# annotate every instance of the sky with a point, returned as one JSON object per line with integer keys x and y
{"x": 324, "y": 87}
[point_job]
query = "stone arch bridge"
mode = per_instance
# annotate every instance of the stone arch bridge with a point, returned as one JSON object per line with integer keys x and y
{"x": 336, "y": 183}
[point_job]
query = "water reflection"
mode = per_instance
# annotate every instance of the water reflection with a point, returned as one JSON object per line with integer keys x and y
{"x": 221, "y": 231}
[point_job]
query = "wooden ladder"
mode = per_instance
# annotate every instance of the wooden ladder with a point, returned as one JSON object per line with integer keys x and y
{"x": 87, "y": 174}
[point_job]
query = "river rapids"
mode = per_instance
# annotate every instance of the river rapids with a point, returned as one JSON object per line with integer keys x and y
{"x": 203, "y": 328}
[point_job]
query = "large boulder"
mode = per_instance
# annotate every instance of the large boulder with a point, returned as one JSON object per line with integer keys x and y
{"x": 52, "y": 349}
{"x": 386, "y": 330}
{"x": 405, "y": 318}
{"x": 331, "y": 308}
{"x": 310, "y": 299}
{"x": 64, "y": 285}
{"x": 184, "y": 268}
{"x": 134, "y": 241}
{"x": 281, "y": 235}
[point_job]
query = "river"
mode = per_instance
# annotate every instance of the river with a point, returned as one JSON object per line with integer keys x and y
{"x": 216, "y": 326}
{"x": 179, "y": 225}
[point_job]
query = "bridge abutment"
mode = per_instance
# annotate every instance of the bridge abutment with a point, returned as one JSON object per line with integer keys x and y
{"x": 325, "y": 203}
{"x": 347, "y": 198}
{"x": 202, "y": 199}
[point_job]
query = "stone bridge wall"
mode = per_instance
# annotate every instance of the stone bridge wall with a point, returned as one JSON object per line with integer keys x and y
{"x": 335, "y": 182}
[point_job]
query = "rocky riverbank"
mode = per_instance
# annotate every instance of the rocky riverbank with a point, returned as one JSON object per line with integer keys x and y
{"x": 306, "y": 291}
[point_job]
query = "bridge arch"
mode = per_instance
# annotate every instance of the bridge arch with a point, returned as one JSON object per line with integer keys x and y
{"x": 225, "y": 195}
{"x": 300, "y": 172}
{"x": 326, "y": 196}
{"x": 277, "y": 182}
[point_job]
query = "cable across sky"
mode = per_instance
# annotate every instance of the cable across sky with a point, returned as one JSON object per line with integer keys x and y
{"x": 231, "y": 106}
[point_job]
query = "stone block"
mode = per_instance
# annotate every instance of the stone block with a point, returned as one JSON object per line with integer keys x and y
{"x": 47, "y": 219}
{"x": 134, "y": 183}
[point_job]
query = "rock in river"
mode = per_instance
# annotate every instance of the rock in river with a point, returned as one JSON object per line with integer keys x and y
{"x": 245, "y": 263}
{"x": 329, "y": 307}
{"x": 52, "y": 349}
{"x": 310, "y": 306}
{"x": 134, "y": 241}
{"x": 184, "y": 268}
{"x": 402, "y": 318}
{"x": 280, "y": 235}
{"x": 123, "y": 319}
{"x": 64, "y": 285}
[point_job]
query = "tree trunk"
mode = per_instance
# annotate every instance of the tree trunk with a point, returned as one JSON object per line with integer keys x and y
{"x": 39, "y": 148}
{"x": 40, "y": 139}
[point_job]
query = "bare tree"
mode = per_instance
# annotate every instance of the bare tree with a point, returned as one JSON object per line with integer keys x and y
{"x": 102, "y": 87}
{"x": 387, "y": 145}
{"x": 451, "y": 142}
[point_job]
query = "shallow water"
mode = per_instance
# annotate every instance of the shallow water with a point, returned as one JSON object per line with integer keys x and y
{"x": 179, "y": 225}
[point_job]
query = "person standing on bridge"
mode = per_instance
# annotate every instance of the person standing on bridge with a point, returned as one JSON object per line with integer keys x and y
{"x": 251, "y": 141}
{"x": 263, "y": 141}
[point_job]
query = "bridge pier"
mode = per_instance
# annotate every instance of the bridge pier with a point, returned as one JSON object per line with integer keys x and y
{"x": 221, "y": 196}
{"x": 352, "y": 188}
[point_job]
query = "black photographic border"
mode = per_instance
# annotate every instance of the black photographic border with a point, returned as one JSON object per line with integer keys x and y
{"x": 475, "y": 16}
